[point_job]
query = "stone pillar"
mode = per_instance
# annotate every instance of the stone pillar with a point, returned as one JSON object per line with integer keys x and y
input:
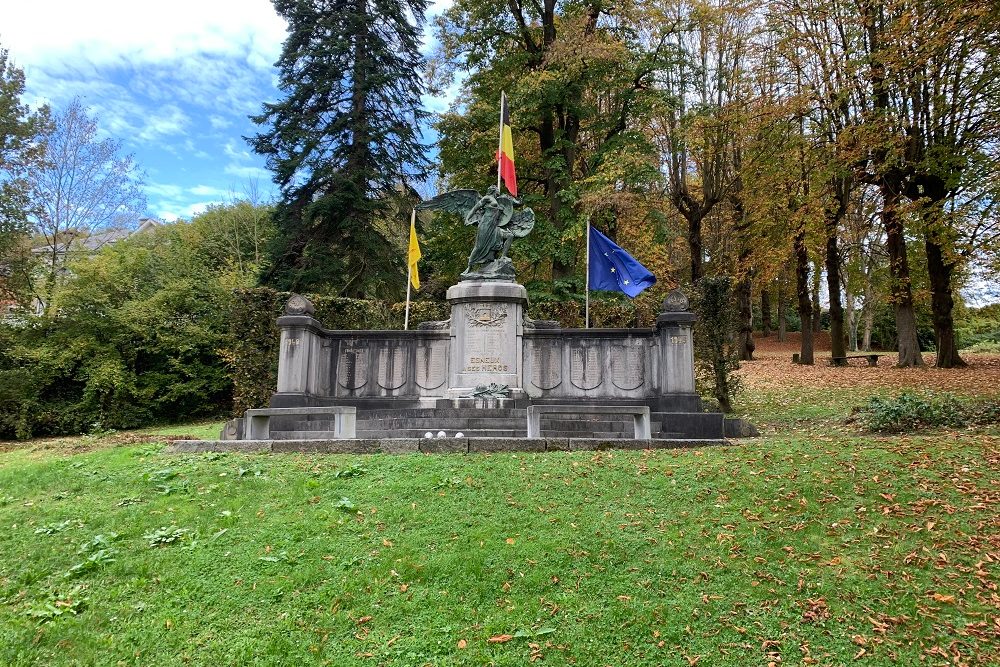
{"x": 487, "y": 325}
{"x": 298, "y": 355}
{"x": 674, "y": 326}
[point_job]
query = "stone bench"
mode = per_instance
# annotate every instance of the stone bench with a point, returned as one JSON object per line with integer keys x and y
{"x": 258, "y": 421}
{"x": 639, "y": 412}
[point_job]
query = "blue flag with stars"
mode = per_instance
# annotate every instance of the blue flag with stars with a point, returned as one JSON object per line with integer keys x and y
{"x": 614, "y": 270}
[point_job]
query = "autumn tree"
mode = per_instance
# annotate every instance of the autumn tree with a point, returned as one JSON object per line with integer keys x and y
{"x": 699, "y": 134}
{"x": 580, "y": 78}
{"x": 946, "y": 82}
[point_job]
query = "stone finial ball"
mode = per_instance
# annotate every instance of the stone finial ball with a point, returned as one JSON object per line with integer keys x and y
{"x": 428, "y": 435}
{"x": 442, "y": 434}
{"x": 459, "y": 435}
{"x": 299, "y": 305}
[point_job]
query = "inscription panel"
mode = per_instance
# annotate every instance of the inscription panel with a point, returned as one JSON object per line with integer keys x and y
{"x": 546, "y": 364}
{"x": 391, "y": 364}
{"x": 431, "y": 366}
{"x": 487, "y": 347}
{"x": 585, "y": 370}
{"x": 628, "y": 366}
{"x": 352, "y": 367}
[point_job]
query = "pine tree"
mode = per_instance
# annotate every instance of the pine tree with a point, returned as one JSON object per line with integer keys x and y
{"x": 342, "y": 140}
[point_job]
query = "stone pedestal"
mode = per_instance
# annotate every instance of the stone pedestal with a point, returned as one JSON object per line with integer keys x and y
{"x": 486, "y": 336}
{"x": 674, "y": 326}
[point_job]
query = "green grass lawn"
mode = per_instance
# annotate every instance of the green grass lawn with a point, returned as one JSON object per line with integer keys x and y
{"x": 808, "y": 546}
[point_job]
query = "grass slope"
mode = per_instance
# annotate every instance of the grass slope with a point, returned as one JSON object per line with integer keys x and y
{"x": 807, "y": 549}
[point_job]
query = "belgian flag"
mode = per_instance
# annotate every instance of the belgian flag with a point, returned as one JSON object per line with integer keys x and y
{"x": 505, "y": 156}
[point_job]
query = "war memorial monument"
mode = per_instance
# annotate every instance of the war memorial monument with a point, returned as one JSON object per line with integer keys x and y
{"x": 489, "y": 378}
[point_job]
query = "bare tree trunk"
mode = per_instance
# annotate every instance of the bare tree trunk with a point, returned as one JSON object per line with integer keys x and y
{"x": 744, "y": 304}
{"x": 866, "y": 341}
{"x": 902, "y": 296}
{"x": 805, "y": 303}
{"x": 851, "y": 322}
{"x": 694, "y": 245}
{"x": 838, "y": 341}
{"x": 765, "y": 310}
{"x": 942, "y": 303}
{"x": 782, "y": 305}
{"x": 817, "y": 312}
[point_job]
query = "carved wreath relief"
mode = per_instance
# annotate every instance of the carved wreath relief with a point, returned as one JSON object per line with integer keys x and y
{"x": 486, "y": 314}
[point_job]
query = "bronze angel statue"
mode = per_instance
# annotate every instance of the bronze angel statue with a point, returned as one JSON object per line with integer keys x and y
{"x": 497, "y": 224}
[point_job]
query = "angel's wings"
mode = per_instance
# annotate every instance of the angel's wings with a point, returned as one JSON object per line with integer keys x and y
{"x": 521, "y": 222}
{"x": 456, "y": 201}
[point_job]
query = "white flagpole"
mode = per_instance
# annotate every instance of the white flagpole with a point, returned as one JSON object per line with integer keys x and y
{"x": 503, "y": 97}
{"x": 409, "y": 271}
{"x": 586, "y": 316}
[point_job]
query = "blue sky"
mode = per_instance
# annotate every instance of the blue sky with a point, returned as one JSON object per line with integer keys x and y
{"x": 173, "y": 81}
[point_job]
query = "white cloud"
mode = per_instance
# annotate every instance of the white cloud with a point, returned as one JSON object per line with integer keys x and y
{"x": 163, "y": 190}
{"x": 125, "y": 32}
{"x": 218, "y": 122}
{"x": 236, "y": 150}
{"x": 208, "y": 191}
{"x": 246, "y": 172}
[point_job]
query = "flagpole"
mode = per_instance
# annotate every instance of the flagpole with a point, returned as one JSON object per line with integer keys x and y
{"x": 406, "y": 319}
{"x": 503, "y": 95}
{"x": 586, "y": 309}
{"x": 409, "y": 273}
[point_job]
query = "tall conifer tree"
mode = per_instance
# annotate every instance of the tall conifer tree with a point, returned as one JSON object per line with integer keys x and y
{"x": 342, "y": 139}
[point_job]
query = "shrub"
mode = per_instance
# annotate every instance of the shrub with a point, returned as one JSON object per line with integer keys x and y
{"x": 911, "y": 410}
{"x": 978, "y": 329}
{"x": 715, "y": 347}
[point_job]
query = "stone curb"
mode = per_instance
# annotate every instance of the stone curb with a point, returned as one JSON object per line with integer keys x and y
{"x": 428, "y": 445}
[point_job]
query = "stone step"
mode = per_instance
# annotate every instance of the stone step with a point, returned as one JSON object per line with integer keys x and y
{"x": 446, "y": 413}
{"x": 301, "y": 435}
{"x": 439, "y": 423}
{"x": 587, "y": 424}
{"x": 468, "y": 433}
{"x": 609, "y": 435}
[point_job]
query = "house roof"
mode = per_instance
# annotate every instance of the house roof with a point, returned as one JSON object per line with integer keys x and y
{"x": 97, "y": 240}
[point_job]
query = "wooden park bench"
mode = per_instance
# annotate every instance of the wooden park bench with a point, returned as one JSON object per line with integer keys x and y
{"x": 871, "y": 357}
{"x": 639, "y": 412}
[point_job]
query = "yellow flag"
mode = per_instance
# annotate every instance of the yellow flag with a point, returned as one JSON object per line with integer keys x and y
{"x": 413, "y": 256}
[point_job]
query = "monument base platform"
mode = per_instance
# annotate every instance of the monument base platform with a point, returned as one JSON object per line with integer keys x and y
{"x": 430, "y": 445}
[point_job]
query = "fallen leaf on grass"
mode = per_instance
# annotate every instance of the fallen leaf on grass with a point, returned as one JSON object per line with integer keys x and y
{"x": 462, "y": 643}
{"x": 364, "y": 619}
{"x": 510, "y": 540}
{"x": 943, "y": 598}
{"x": 499, "y": 639}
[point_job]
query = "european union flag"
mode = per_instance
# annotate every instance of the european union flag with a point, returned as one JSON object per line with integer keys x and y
{"x": 613, "y": 269}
